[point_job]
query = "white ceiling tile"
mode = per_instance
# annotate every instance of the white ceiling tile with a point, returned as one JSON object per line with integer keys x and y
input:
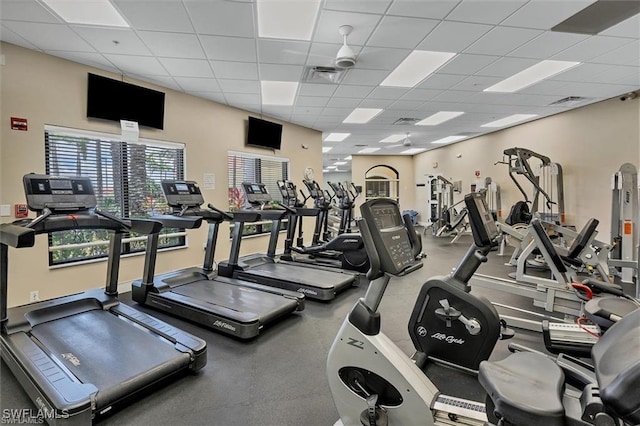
{"x": 421, "y": 95}
{"x": 484, "y": 11}
{"x": 49, "y": 36}
{"x": 143, "y": 65}
{"x": 235, "y": 70}
{"x": 306, "y": 110}
{"x": 229, "y": 48}
{"x": 324, "y": 54}
{"x": 467, "y": 64}
{"x": 365, "y": 77}
{"x": 625, "y": 55}
{"x": 476, "y": 83}
{"x": 441, "y": 81}
{"x": 272, "y": 72}
{"x": 330, "y": 21}
{"x": 172, "y": 45}
{"x": 375, "y": 103}
{"x": 343, "y": 102}
{"x": 87, "y": 58}
{"x": 406, "y": 105}
{"x": 191, "y": 85}
{"x": 9, "y": 36}
{"x": 434, "y": 9}
{"x": 506, "y": 67}
{"x": 584, "y": 73}
{"x": 147, "y": 15}
{"x": 502, "y": 40}
{"x": 545, "y": 14}
{"x": 387, "y": 93}
{"x": 226, "y": 18}
{"x": 366, "y": 6}
{"x": 401, "y": 32}
{"x": 312, "y": 101}
{"x": 590, "y": 48}
{"x": 453, "y": 36}
{"x": 212, "y": 96}
{"x": 187, "y": 67}
{"x": 551, "y": 87}
{"x": 27, "y": 10}
{"x": 336, "y": 112}
{"x": 239, "y": 86}
{"x": 277, "y": 110}
{"x": 159, "y": 80}
{"x": 627, "y": 28}
{"x": 595, "y": 90}
{"x": 381, "y": 58}
{"x": 352, "y": 91}
{"x": 619, "y": 74}
{"x": 102, "y": 39}
{"x": 310, "y": 89}
{"x": 455, "y": 96}
{"x": 282, "y": 52}
{"x": 242, "y": 98}
{"x": 547, "y": 44}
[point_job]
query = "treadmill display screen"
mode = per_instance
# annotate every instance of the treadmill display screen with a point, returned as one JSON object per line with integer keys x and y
{"x": 385, "y": 217}
{"x": 60, "y": 184}
{"x": 182, "y": 187}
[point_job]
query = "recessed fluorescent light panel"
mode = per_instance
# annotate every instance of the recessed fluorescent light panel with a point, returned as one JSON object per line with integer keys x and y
{"x": 336, "y": 137}
{"x": 332, "y": 167}
{"x": 416, "y": 67}
{"x": 278, "y": 92}
{"x": 94, "y": 12}
{"x": 349, "y": 158}
{"x": 292, "y": 20}
{"x": 368, "y": 150}
{"x": 362, "y": 115}
{"x": 531, "y": 75}
{"x": 512, "y": 119}
{"x": 449, "y": 139}
{"x": 439, "y": 117}
{"x": 340, "y": 163}
{"x": 326, "y": 149}
{"x": 413, "y": 151}
{"x": 394, "y": 138}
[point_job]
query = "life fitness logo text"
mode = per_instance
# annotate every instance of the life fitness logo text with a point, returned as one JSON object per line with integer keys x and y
{"x": 449, "y": 339}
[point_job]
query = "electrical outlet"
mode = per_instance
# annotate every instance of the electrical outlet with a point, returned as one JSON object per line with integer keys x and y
{"x": 34, "y": 296}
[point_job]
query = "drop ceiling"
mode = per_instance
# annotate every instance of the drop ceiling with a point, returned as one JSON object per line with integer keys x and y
{"x": 211, "y": 49}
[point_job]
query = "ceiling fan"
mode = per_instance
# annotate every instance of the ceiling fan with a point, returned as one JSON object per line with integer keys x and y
{"x": 406, "y": 141}
{"x": 345, "y": 58}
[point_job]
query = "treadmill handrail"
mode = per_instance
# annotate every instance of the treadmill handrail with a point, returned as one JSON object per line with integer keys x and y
{"x": 171, "y": 221}
{"x": 16, "y": 236}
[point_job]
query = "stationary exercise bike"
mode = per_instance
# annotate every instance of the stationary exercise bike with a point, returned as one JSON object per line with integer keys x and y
{"x": 374, "y": 382}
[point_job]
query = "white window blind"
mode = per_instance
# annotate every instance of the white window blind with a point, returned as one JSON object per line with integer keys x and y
{"x": 245, "y": 167}
{"x": 126, "y": 178}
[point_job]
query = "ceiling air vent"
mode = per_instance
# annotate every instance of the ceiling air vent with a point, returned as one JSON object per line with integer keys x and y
{"x": 569, "y": 101}
{"x": 406, "y": 121}
{"x": 323, "y": 75}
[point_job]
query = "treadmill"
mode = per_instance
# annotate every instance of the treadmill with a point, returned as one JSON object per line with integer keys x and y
{"x": 80, "y": 356}
{"x": 264, "y": 269}
{"x": 227, "y": 305}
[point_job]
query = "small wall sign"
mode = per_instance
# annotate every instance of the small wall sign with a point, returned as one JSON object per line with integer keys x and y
{"x": 18, "y": 123}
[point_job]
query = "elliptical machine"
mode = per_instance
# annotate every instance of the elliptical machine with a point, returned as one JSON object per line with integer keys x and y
{"x": 374, "y": 382}
{"x": 345, "y": 251}
{"x": 346, "y": 201}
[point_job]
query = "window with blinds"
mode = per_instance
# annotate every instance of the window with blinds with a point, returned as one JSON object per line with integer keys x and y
{"x": 245, "y": 167}
{"x": 126, "y": 178}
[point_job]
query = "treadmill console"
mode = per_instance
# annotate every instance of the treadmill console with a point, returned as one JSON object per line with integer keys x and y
{"x": 256, "y": 193}
{"x": 181, "y": 193}
{"x": 483, "y": 226}
{"x": 57, "y": 193}
{"x": 389, "y": 235}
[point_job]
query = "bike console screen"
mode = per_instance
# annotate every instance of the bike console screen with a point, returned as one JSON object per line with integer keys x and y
{"x": 389, "y": 235}
{"x": 182, "y": 193}
{"x": 483, "y": 226}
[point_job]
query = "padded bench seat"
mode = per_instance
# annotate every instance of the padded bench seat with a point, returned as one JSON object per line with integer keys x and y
{"x": 526, "y": 389}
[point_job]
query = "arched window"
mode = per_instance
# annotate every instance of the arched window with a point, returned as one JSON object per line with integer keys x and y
{"x": 382, "y": 181}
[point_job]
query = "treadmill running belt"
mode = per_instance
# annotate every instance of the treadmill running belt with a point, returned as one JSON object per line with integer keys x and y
{"x": 113, "y": 355}
{"x": 246, "y": 302}
{"x": 302, "y": 275}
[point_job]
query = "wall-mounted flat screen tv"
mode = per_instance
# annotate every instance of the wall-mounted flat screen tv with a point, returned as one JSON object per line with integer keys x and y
{"x": 264, "y": 134}
{"x": 116, "y": 100}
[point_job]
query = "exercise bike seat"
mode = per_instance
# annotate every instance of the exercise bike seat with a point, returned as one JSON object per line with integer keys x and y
{"x": 603, "y": 310}
{"x": 526, "y": 389}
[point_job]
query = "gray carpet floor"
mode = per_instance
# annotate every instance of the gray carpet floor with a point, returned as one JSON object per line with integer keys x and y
{"x": 279, "y": 377}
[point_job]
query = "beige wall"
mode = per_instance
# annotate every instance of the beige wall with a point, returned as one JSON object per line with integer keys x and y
{"x": 404, "y": 164}
{"x": 48, "y": 90}
{"x": 589, "y": 142}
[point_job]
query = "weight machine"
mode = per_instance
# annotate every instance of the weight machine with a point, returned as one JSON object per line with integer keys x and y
{"x": 624, "y": 213}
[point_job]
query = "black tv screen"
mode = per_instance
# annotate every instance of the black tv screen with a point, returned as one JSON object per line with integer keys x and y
{"x": 264, "y": 134}
{"x": 115, "y": 100}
